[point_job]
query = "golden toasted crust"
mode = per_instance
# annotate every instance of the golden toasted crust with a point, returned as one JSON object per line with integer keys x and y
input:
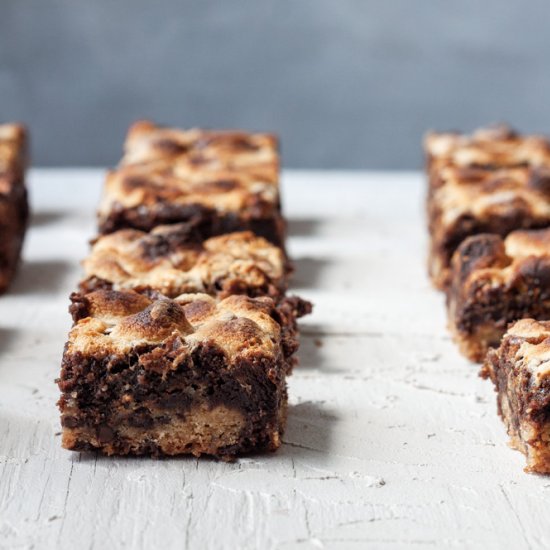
{"x": 224, "y": 170}
{"x": 117, "y": 321}
{"x": 529, "y": 330}
{"x": 491, "y": 181}
{"x": 498, "y": 147}
{"x": 492, "y": 171}
{"x": 523, "y": 243}
{"x": 223, "y": 191}
{"x": 166, "y": 260}
{"x": 198, "y": 150}
{"x": 498, "y": 261}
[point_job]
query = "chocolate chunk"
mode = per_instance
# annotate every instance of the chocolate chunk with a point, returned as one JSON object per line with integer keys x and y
{"x": 69, "y": 421}
{"x": 141, "y": 419}
{"x": 105, "y": 434}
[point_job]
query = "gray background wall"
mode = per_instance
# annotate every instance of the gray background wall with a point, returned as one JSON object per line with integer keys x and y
{"x": 347, "y": 83}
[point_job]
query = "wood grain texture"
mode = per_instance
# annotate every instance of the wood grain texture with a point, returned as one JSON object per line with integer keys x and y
{"x": 392, "y": 438}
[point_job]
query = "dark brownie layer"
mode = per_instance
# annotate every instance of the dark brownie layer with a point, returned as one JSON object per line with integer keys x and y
{"x": 145, "y": 389}
{"x": 155, "y": 376}
{"x": 207, "y": 222}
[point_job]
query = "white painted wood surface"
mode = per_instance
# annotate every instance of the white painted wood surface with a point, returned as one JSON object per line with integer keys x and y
{"x": 392, "y": 439}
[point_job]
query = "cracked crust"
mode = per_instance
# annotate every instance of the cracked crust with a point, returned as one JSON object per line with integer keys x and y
{"x": 520, "y": 371}
{"x": 492, "y": 181}
{"x": 228, "y": 181}
{"x": 496, "y": 281}
{"x": 198, "y": 150}
{"x": 110, "y": 321}
{"x": 171, "y": 260}
{"x": 13, "y": 199}
{"x": 146, "y": 375}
